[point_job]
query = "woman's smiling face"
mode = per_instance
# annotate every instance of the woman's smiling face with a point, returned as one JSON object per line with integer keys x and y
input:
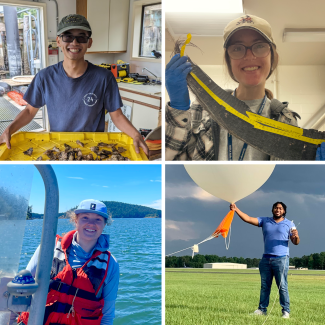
{"x": 250, "y": 71}
{"x": 89, "y": 226}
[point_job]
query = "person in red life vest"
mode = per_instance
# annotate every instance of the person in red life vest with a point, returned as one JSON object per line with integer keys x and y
{"x": 84, "y": 274}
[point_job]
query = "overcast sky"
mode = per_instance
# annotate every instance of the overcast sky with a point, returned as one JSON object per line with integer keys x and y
{"x": 192, "y": 215}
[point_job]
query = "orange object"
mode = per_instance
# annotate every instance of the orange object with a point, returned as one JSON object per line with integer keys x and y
{"x": 23, "y": 318}
{"x": 154, "y": 146}
{"x": 114, "y": 70}
{"x": 224, "y": 226}
{"x": 17, "y": 98}
{"x": 153, "y": 141}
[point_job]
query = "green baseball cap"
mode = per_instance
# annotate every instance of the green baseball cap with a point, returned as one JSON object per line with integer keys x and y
{"x": 73, "y": 22}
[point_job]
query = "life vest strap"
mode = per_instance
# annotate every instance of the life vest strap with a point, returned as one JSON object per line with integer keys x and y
{"x": 61, "y": 308}
{"x": 62, "y": 287}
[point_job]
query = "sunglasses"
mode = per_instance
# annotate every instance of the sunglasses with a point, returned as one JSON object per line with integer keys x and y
{"x": 68, "y": 38}
{"x": 238, "y": 51}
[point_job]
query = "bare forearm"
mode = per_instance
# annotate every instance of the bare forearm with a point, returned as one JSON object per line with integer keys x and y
{"x": 22, "y": 119}
{"x": 126, "y": 126}
{"x": 245, "y": 217}
{"x": 295, "y": 240}
{"x": 123, "y": 124}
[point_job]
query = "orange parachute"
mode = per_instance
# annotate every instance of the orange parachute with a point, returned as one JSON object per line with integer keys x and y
{"x": 224, "y": 226}
{"x": 223, "y": 230}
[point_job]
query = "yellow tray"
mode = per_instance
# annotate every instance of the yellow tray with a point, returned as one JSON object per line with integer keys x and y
{"x": 42, "y": 141}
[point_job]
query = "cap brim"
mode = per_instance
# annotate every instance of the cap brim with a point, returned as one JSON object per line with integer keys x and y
{"x": 72, "y": 27}
{"x": 104, "y": 215}
{"x": 246, "y": 27}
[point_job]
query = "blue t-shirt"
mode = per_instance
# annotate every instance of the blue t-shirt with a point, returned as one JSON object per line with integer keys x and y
{"x": 276, "y": 235}
{"x": 75, "y": 104}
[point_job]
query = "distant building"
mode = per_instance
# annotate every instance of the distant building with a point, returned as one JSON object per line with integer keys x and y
{"x": 225, "y": 266}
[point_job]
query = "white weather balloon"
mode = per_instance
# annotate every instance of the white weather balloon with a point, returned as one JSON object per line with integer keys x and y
{"x": 230, "y": 182}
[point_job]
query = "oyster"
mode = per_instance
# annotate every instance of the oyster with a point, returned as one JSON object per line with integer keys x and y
{"x": 121, "y": 149}
{"x": 56, "y": 149}
{"x": 80, "y": 143}
{"x": 28, "y": 152}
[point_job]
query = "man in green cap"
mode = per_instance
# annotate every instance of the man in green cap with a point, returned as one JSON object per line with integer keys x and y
{"x": 75, "y": 91}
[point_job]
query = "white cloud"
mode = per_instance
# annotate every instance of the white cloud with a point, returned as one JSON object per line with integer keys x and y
{"x": 188, "y": 191}
{"x": 105, "y": 186}
{"x": 180, "y": 230}
{"x": 155, "y": 180}
{"x": 75, "y": 177}
{"x": 301, "y": 198}
{"x": 154, "y": 205}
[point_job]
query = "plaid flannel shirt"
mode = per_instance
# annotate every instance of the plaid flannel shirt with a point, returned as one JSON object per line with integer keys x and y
{"x": 189, "y": 134}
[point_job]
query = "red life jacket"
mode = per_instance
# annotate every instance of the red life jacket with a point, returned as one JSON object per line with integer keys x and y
{"x": 75, "y": 295}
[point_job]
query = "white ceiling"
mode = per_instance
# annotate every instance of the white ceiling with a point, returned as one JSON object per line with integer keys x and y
{"x": 280, "y": 14}
{"x": 199, "y": 24}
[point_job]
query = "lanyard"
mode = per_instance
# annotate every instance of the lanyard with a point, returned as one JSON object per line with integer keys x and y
{"x": 243, "y": 150}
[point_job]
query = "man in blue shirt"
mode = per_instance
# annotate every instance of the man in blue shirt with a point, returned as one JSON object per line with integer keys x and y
{"x": 275, "y": 262}
{"x": 75, "y": 91}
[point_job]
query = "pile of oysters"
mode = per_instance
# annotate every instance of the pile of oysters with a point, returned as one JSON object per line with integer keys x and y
{"x": 73, "y": 154}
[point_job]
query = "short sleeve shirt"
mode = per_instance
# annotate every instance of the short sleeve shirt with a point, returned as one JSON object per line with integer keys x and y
{"x": 276, "y": 235}
{"x": 75, "y": 104}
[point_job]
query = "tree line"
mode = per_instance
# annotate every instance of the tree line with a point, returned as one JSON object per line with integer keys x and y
{"x": 314, "y": 261}
{"x": 116, "y": 209}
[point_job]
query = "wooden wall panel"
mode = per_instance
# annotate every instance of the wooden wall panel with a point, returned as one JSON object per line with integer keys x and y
{"x": 82, "y": 7}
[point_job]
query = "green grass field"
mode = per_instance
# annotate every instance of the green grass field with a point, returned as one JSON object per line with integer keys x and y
{"x": 203, "y": 296}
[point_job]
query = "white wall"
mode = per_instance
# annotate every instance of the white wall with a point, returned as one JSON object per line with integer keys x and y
{"x": 303, "y": 87}
{"x": 136, "y": 65}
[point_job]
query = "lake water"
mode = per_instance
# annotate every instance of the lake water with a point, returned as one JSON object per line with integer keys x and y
{"x": 136, "y": 244}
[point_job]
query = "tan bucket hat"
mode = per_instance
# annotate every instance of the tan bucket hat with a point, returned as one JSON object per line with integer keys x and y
{"x": 248, "y": 22}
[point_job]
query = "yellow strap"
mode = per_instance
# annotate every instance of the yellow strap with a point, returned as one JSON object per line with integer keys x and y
{"x": 261, "y": 122}
{"x": 189, "y": 36}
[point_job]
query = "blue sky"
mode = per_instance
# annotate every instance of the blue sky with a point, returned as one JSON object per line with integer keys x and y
{"x": 192, "y": 214}
{"x": 134, "y": 184}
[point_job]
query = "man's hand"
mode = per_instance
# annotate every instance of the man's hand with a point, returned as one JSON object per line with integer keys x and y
{"x": 233, "y": 207}
{"x": 295, "y": 237}
{"x": 139, "y": 142}
{"x": 5, "y": 138}
{"x": 22, "y": 119}
{"x": 122, "y": 123}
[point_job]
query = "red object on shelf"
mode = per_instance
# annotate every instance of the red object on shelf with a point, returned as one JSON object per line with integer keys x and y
{"x": 17, "y": 98}
{"x": 53, "y": 51}
{"x": 154, "y": 141}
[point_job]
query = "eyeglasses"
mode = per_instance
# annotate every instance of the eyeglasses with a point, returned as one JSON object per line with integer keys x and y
{"x": 238, "y": 51}
{"x": 68, "y": 38}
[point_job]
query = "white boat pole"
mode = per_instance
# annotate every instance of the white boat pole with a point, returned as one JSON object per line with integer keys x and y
{"x": 50, "y": 222}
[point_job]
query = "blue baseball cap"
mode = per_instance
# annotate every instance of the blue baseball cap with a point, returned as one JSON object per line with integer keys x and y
{"x": 92, "y": 206}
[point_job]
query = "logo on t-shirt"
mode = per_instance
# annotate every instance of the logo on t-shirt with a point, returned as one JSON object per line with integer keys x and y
{"x": 90, "y": 99}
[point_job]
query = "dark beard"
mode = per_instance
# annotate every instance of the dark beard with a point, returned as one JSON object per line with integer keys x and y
{"x": 276, "y": 217}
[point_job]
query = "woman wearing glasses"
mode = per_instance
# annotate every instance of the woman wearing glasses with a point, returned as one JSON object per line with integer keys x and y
{"x": 251, "y": 58}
